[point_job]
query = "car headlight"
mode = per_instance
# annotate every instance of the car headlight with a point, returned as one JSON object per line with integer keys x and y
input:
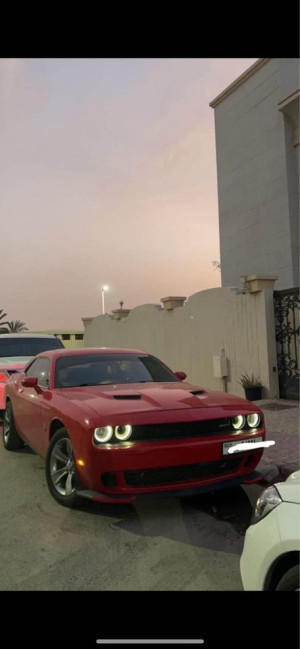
{"x": 238, "y": 422}
{"x": 268, "y": 500}
{"x": 103, "y": 434}
{"x": 253, "y": 420}
{"x": 123, "y": 432}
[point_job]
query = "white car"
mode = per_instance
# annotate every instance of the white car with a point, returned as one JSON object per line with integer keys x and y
{"x": 270, "y": 557}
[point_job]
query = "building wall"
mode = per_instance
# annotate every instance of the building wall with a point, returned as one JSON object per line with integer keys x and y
{"x": 258, "y": 175}
{"x": 187, "y": 337}
{"x": 70, "y": 339}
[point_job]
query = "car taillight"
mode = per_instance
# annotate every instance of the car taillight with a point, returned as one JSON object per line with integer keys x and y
{"x": 3, "y": 378}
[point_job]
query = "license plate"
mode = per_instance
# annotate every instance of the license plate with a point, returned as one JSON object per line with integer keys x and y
{"x": 228, "y": 445}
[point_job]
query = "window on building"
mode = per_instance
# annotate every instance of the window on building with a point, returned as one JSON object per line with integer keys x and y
{"x": 65, "y": 336}
{"x": 78, "y": 336}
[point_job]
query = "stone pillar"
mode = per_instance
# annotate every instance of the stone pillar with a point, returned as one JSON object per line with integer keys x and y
{"x": 172, "y": 302}
{"x": 256, "y": 283}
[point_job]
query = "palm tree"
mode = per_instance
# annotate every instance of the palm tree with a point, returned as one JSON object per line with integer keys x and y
{"x": 15, "y": 326}
{"x": 3, "y": 330}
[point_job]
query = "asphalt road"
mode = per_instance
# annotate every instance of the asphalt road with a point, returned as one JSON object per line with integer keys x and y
{"x": 157, "y": 544}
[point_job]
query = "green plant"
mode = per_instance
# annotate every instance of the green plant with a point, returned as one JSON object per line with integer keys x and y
{"x": 250, "y": 381}
{"x": 15, "y": 326}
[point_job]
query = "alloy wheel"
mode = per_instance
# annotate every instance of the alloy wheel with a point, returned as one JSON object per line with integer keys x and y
{"x": 62, "y": 467}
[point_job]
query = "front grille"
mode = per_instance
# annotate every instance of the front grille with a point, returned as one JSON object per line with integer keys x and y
{"x": 153, "y": 432}
{"x": 109, "y": 479}
{"x": 173, "y": 474}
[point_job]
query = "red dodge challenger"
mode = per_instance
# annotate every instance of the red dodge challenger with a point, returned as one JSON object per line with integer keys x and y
{"x": 114, "y": 424}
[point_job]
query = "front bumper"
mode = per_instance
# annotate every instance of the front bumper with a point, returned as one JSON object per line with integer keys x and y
{"x": 266, "y": 542}
{"x": 180, "y": 467}
{"x": 262, "y": 546}
{"x": 253, "y": 477}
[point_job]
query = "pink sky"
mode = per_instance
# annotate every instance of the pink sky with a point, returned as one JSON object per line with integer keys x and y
{"x": 108, "y": 176}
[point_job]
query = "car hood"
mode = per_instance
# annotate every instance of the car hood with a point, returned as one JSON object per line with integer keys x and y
{"x": 151, "y": 397}
{"x": 290, "y": 489}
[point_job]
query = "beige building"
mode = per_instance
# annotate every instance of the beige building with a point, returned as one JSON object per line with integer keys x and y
{"x": 71, "y": 338}
{"x": 257, "y": 147}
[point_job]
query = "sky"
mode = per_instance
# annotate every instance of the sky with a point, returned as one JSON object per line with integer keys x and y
{"x": 108, "y": 177}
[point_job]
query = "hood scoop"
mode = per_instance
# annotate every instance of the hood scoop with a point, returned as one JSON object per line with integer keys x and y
{"x": 127, "y": 397}
{"x": 195, "y": 393}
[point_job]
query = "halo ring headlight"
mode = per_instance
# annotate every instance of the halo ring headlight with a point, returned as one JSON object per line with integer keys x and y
{"x": 123, "y": 432}
{"x": 253, "y": 420}
{"x": 238, "y": 422}
{"x": 103, "y": 434}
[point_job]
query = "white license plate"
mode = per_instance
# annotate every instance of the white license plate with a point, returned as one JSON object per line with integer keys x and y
{"x": 228, "y": 445}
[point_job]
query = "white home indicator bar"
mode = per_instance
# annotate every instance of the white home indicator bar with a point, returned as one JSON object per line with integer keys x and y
{"x": 100, "y": 641}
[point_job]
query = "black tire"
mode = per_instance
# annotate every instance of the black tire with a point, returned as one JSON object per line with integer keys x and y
{"x": 61, "y": 475}
{"x": 11, "y": 439}
{"x": 290, "y": 580}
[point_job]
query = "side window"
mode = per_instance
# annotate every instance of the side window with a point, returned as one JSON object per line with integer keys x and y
{"x": 40, "y": 368}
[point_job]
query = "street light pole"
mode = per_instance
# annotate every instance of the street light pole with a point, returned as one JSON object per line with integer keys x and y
{"x": 104, "y": 288}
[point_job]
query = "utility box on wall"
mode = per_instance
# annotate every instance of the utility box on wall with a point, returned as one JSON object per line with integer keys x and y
{"x": 220, "y": 366}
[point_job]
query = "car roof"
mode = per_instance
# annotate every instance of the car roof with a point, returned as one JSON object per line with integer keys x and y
{"x": 25, "y": 335}
{"x": 90, "y": 350}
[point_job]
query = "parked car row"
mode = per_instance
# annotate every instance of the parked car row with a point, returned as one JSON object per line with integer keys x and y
{"x": 117, "y": 424}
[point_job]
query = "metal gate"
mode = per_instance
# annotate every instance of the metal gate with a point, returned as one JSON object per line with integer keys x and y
{"x": 287, "y": 330}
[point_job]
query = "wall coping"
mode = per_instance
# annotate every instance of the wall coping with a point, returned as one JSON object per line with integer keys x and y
{"x": 257, "y": 283}
{"x": 172, "y": 301}
{"x": 238, "y": 82}
{"x": 120, "y": 313}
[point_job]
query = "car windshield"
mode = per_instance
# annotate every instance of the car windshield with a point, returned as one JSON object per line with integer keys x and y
{"x": 106, "y": 369}
{"x": 27, "y": 346}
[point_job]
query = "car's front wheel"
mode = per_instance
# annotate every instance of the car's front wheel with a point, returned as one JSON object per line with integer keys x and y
{"x": 11, "y": 439}
{"x": 61, "y": 472}
{"x": 290, "y": 580}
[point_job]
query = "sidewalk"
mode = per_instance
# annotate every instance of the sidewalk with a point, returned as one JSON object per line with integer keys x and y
{"x": 283, "y": 426}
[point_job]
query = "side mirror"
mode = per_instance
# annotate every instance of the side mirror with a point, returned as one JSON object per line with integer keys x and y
{"x": 31, "y": 382}
{"x": 180, "y": 375}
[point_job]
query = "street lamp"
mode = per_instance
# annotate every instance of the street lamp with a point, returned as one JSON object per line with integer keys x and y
{"x": 103, "y": 289}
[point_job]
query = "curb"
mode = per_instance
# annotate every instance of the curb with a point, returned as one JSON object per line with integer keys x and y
{"x": 276, "y": 472}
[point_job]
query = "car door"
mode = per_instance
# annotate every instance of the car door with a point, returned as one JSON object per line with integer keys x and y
{"x": 30, "y": 406}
